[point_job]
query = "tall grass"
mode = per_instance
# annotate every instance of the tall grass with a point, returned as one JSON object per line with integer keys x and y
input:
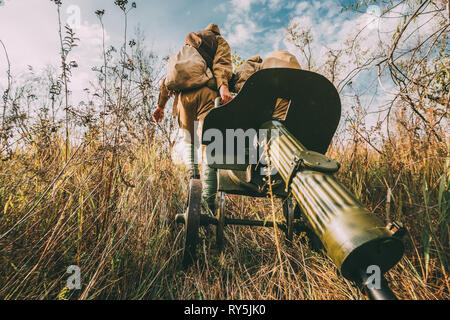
{"x": 55, "y": 214}
{"x": 107, "y": 202}
{"x": 118, "y": 227}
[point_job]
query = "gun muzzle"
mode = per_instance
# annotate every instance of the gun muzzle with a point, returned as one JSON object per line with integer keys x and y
{"x": 353, "y": 237}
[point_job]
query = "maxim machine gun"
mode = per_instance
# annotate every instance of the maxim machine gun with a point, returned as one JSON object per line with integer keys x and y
{"x": 353, "y": 237}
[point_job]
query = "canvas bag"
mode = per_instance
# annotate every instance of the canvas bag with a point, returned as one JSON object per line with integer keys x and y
{"x": 187, "y": 70}
{"x": 245, "y": 70}
{"x": 206, "y": 44}
{"x": 280, "y": 59}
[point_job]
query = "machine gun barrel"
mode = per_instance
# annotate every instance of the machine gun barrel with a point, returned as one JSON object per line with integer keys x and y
{"x": 354, "y": 238}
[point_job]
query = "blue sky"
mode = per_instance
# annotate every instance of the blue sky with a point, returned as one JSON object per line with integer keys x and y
{"x": 253, "y": 27}
{"x": 28, "y": 29}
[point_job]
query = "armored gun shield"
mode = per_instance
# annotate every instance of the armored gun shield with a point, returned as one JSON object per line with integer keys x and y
{"x": 313, "y": 114}
{"x": 354, "y": 237}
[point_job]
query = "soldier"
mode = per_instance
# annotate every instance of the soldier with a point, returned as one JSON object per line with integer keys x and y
{"x": 193, "y": 105}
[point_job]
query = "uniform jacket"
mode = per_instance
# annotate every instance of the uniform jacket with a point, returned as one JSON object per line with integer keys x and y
{"x": 222, "y": 70}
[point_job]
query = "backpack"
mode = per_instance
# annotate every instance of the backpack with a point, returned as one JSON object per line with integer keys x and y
{"x": 187, "y": 70}
{"x": 206, "y": 44}
{"x": 280, "y": 59}
{"x": 277, "y": 59}
{"x": 191, "y": 67}
{"x": 244, "y": 71}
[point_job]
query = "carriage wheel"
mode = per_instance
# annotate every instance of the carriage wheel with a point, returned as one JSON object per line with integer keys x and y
{"x": 192, "y": 222}
{"x": 220, "y": 239}
{"x": 288, "y": 212}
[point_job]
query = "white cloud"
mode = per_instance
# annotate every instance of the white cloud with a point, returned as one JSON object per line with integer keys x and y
{"x": 241, "y": 33}
{"x": 33, "y": 40}
{"x": 221, "y": 8}
{"x": 274, "y": 37}
{"x": 275, "y": 4}
{"x": 87, "y": 55}
{"x": 290, "y": 5}
{"x": 239, "y": 27}
{"x": 242, "y": 5}
{"x": 301, "y": 7}
{"x": 26, "y": 33}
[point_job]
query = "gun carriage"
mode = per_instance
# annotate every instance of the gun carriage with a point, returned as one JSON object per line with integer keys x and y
{"x": 314, "y": 201}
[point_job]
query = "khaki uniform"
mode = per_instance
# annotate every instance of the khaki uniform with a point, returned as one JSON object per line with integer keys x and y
{"x": 245, "y": 70}
{"x": 194, "y": 105}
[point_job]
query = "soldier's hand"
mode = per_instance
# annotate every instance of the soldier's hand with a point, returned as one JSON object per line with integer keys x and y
{"x": 158, "y": 115}
{"x": 225, "y": 94}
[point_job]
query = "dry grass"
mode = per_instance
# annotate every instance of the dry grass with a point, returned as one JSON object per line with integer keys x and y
{"x": 118, "y": 226}
{"x": 108, "y": 203}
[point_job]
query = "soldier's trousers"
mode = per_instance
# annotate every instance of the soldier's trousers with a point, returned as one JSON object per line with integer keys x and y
{"x": 192, "y": 107}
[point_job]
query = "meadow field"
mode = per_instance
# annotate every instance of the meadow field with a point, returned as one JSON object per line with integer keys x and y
{"x": 95, "y": 185}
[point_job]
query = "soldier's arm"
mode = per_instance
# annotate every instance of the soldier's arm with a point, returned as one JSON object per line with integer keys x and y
{"x": 222, "y": 66}
{"x": 164, "y": 96}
